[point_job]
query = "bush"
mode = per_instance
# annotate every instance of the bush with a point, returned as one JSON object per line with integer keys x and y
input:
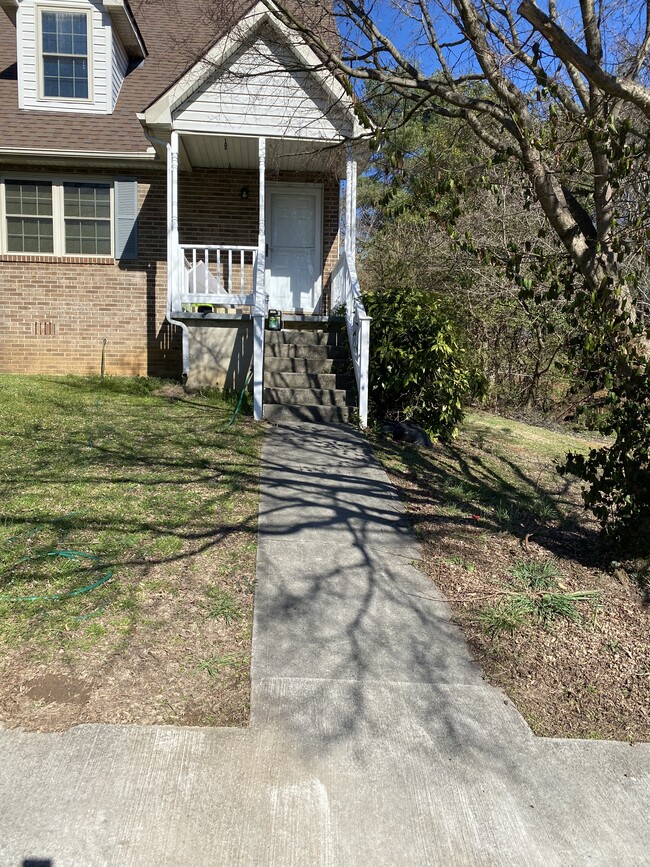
{"x": 418, "y": 369}
{"x": 618, "y": 475}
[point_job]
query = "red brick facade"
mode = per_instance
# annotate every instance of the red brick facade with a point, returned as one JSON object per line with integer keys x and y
{"x": 58, "y": 310}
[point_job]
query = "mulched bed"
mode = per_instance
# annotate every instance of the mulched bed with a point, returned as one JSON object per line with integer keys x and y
{"x": 586, "y": 679}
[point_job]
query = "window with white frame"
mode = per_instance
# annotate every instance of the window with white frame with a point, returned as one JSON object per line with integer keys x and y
{"x": 64, "y": 54}
{"x": 29, "y": 216}
{"x": 87, "y": 218}
{"x": 68, "y": 218}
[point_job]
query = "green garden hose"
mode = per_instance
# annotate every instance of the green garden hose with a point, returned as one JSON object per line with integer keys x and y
{"x": 70, "y": 555}
{"x": 241, "y": 398}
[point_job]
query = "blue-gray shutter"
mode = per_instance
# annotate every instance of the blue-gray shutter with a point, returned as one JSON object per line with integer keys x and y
{"x": 126, "y": 218}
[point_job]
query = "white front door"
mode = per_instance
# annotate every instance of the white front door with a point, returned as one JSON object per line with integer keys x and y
{"x": 294, "y": 234}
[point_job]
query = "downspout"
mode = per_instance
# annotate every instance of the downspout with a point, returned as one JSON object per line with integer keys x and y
{"x": 171, "y": 246}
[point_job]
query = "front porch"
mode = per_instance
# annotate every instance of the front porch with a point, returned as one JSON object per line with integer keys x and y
{"x": 245, "y": 238}
{"x": 255, "y": 137}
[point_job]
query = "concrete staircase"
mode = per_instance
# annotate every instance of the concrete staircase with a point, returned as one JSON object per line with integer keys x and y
{"x": 308, "y": 375}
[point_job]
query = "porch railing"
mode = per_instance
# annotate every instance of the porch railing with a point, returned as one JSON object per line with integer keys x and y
{"x": 215, "y": 274}
{"x": 347, "y": 292}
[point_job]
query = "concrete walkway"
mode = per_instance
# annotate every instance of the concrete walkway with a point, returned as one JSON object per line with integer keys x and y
{"x": 374, "y": 739}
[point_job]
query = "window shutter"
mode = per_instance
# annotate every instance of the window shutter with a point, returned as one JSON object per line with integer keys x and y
{"x": 126, "y": 218}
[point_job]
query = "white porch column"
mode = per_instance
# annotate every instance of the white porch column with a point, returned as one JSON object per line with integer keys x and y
{"x": 174, "y": 261}
{"x": 172, "y": 194}
{"x": 259, "y": 313}
{"x": 350, "y": 203}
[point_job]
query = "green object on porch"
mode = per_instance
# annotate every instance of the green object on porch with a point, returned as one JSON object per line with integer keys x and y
{"x": 275, "y": 320}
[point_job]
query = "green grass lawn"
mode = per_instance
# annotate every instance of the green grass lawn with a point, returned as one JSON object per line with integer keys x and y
{"x": 498, "y": 469}
{"x": 145, "y": 483}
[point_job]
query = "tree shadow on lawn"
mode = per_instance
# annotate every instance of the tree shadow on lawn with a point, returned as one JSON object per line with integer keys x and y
{"x": 141, "y": 492}
{"x": 454, "y": 489}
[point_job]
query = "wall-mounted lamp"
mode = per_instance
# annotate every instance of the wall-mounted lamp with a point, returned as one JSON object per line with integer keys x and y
{"x": 243, "y": 193}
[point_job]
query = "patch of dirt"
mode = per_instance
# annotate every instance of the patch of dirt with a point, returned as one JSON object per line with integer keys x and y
{"x": 58, "y": 688}
{"x": 171, "y": 390}
{"x": 585, "y": 679}
{"x": 146, "y": 665}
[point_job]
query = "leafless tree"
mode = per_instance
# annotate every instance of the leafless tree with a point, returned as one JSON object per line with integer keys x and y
{"x": 562, "y": 93}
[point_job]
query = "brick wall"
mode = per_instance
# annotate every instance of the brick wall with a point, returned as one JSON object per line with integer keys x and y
{"x": 212, "y": 210}
{"x": 56, "y": 311}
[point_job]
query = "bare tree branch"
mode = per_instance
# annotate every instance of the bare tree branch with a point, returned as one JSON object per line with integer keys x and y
{"x": 570, "y": 52}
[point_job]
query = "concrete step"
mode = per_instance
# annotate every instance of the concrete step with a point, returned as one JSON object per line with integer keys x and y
{"x": 306, "y": 337}
{"x": 307, "y": 365}
{"x": 298, "y": 350}
{"x": 277, "y": 412}
{"x": 307, "y": 396}
{"x": 291, "y": 379}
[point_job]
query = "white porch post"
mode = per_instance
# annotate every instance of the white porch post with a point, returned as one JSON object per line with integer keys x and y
{"x": 173, "y": 209}
{"x": 358, "y": 321}
{"x": 174, "y": 261}
{"x": 259, "y": 312}
{"x": 350, "y": 203}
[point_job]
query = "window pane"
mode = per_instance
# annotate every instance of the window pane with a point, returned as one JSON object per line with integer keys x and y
{"x": 65, "y": 88}
{"x": 104, "y": 244}
{"x": 81, "y": 79}
{"x": 64, "y": 43}
{"x": 87, "y": 200}
{"x": 72, "y": 244}
{"x": 79, "y": 42}
{"x": 64, "y": 32}
{"x": 29, "y": 235}
{"x": 90, "y": 237}
{"x": 65, "y": 76}
{"x": 28, "y": 197}
{"x": 49, "y": 43}
{"x": 64, "y": 46}
{"x": 65, "y": 67}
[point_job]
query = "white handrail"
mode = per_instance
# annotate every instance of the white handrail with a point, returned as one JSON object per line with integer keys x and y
{"x": 208, "y": 277}
{"x": 347, "y": 292}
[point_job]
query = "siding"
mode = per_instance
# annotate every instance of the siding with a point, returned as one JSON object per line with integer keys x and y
{"x": 261, "y": 91}
{"x": 120, "y": 64}
{"x": 100, "y": 50}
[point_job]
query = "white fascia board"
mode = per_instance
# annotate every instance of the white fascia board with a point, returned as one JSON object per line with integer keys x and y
{"x": 31, "y": 154}
{"x": 125, "y": 27}
{"x": 160, "y": 112}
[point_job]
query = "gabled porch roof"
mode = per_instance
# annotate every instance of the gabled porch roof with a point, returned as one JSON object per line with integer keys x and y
{"x": 301, "y": 81}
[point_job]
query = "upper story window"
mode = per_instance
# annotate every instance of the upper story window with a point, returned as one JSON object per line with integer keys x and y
{"x": 64, "y": 54}
{"x": 73, "y": 55}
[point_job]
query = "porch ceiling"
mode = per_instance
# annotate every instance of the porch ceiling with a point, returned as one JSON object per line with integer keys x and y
{"x": 216, "y": 151}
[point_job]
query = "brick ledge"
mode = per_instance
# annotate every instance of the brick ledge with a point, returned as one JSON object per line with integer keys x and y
{"x": 57, "y": 260}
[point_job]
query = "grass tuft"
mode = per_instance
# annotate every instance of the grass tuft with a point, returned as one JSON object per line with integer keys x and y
{"x": 503, "y": 617}
{"x": 223, "y": 607}
{"x": 535, "y": 596}
{"x": 533, "y": 575}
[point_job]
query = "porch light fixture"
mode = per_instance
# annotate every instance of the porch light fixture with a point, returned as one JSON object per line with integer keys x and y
{"x": 243, "y": 193}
